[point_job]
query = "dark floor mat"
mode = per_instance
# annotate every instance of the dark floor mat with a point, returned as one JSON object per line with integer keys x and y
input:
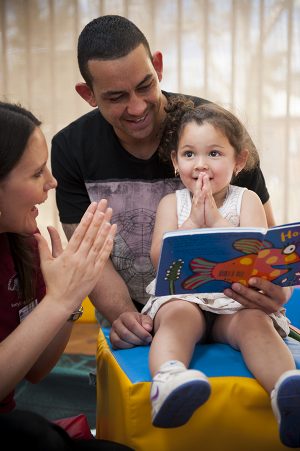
{"x": 67, "y": 391}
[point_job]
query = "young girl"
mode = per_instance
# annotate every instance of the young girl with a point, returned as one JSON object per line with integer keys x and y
{"x": 212, "y": 147}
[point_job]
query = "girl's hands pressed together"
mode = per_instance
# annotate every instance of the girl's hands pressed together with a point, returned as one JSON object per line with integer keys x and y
{"x": 204, "y": 211}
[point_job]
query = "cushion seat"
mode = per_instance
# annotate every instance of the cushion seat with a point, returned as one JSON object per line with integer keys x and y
{"x": 237, "y": 416}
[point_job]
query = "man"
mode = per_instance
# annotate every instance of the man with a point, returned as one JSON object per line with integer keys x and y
{"x": 111, "y": 152}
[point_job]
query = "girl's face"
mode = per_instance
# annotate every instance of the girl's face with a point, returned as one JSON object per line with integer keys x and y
{"x": 26, "y": 185}
{"x": 204, "y": 148}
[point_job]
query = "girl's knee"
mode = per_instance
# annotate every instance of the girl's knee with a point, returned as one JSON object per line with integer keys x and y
{"x": 236, "y": 328}
{"x": 252, "y": 317}
{"x": 177, "y": 309}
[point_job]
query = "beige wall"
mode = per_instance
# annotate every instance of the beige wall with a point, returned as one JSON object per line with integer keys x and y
{"x": 243, "y": 54}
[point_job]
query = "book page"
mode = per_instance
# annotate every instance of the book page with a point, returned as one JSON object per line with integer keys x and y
{"x": 279, "y": 260}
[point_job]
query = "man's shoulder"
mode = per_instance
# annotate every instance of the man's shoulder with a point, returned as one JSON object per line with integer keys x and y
{"x": 85, "y": 124}
{"x": 195, "y": 99}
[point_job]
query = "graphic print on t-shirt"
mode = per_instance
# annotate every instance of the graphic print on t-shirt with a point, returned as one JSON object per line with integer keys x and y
{"x": 134, "y": 205}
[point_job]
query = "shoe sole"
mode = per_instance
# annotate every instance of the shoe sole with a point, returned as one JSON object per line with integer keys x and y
{"x": 288, "y": 404}
{"x": 180, "y": 405}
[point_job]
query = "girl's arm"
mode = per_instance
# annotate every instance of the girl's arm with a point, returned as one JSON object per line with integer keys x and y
{"x": 165, "y": 221}
{"x": 252, "y": 211}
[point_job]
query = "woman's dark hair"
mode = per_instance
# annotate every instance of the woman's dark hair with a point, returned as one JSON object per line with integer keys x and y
{"x": 181, "y": 111}
{"x": 16, "y": 126}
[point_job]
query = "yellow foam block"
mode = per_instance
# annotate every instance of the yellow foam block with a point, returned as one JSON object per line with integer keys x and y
{"x": 237, "y": 417}
{"x": 88, "y": 315}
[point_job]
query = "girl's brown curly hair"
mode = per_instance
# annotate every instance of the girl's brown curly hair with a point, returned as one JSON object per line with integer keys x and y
{"x": 181, "y": 111}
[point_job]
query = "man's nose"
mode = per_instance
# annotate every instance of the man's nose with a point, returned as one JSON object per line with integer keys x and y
{"x": 136, "y": 105}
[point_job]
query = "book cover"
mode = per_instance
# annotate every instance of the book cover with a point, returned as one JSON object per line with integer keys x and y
{"x": 210, "y": 260}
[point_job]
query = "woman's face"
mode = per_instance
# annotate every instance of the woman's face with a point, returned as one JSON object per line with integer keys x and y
{"x": 26, "y": 186}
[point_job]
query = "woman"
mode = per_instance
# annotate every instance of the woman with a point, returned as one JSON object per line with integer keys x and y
{"x": 40, "y": 291}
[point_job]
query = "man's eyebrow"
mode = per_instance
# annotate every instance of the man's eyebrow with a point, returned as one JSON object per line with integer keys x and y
{"x": 114, "y": 93}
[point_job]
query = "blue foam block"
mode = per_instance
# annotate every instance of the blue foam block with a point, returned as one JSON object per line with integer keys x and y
{"x": 293, "y": 308}
{"x": 215, "y": 360}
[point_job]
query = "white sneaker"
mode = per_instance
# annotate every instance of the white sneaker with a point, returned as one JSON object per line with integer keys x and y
{"x": 176, "y": 393}
{"x": 285, "y": 401}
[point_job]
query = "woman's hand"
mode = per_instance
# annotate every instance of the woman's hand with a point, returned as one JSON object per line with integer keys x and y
{"x": 70, "y": 275}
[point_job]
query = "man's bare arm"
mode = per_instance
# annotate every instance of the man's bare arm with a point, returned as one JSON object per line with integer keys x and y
{"x": 269, "y": 214}
{"x": 69, "y": 230}
{"x": 111, "y": 298}
{"x": 110, "y": 295}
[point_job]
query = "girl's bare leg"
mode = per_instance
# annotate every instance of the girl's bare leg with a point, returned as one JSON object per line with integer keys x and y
{"x": 252, "y": 332}
{"x": 176, "y": 392}
{"x": 178, "y": 326}
{"x": 271, "y": 362}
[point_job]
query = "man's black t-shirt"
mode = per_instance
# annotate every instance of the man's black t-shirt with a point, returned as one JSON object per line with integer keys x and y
{"x": 89, "y": 163}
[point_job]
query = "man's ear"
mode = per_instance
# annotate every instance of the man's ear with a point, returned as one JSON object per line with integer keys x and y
{"x": 86, "y": 93}
{"x": 174, "y": 159}
{"x": 157, "y": 61}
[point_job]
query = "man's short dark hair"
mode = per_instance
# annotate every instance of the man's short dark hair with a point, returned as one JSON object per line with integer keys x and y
{"x": 107, "y": 38}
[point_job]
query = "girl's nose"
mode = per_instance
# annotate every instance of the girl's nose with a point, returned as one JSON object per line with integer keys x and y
{"x": 201, "y": 164}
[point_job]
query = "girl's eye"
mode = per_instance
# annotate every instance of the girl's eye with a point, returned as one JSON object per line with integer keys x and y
{"x": 188, "y": 154}
{"x": 214, "y": 153}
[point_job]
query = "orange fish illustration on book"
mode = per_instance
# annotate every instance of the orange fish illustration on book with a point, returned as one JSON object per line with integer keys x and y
{"x": 270, "y": 263}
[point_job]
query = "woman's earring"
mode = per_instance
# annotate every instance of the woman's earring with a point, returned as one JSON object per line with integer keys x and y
{"x": 176, "y": 172}
{"x": 236, "y": 172}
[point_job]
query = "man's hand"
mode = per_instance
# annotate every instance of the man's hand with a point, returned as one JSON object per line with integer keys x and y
{"x": 262, "y": 294}
{"x": 131, "y": 329}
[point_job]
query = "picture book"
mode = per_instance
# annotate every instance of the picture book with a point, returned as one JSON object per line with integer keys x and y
{"x": 210, "y": 260}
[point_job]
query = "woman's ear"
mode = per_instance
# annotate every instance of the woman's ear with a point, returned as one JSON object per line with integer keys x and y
{"x": 241, "y": 161}
{"x": 86, "y": 93}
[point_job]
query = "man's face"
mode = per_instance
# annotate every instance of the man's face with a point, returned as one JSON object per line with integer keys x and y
{"x": 127, "y": 92}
